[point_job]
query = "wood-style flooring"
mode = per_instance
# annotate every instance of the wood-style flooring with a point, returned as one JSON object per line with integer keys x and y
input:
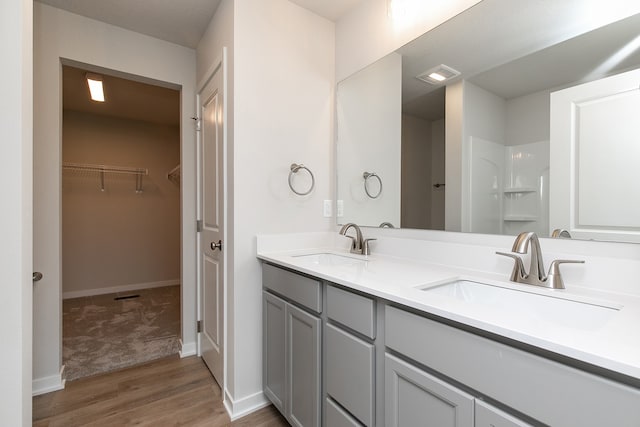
{"x": 166, "y": 392}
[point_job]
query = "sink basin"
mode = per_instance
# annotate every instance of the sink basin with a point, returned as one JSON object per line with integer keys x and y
{"x": 329, "y": 259}
{"x": 545, "y": 308}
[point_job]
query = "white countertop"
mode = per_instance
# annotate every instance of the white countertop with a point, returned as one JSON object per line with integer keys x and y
{"x": 612, "y": 343}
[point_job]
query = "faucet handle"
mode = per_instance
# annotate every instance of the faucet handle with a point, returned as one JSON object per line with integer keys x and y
{"x": 365, "y": 247}
{"x": 554, "y": 278}
{"x": 353, "y": 241}
{"x": 518, "y": 271}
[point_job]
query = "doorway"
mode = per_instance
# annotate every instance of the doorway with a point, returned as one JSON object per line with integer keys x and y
{"x": 121, "y": 239}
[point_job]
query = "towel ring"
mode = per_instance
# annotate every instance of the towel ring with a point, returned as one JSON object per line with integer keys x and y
{"x": 294, "y": 169}
{"x": 366, "y": 177}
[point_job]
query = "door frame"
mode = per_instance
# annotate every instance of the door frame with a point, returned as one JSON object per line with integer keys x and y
{"x": 218, "y": 65}
{"x": 164, "y": 64}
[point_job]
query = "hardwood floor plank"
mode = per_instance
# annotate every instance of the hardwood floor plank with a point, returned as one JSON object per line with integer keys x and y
{"x": 266, "y": 417}
{"x": 167, "y": 392}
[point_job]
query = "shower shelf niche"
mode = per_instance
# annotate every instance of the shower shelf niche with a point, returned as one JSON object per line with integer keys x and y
{"x": 518, "y": 190}
{"x": 520, "y": 218}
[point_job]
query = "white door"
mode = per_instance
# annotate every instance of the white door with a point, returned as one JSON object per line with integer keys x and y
{"x": 593, "y": 164}
{"x": 211, "y": 217}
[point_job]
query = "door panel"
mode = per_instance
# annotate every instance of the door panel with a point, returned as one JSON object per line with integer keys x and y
{"x": 415, "y": 398}
{"x": 211, "y": 209}
{"x": 273, "y": 312}
{"x": 594, "y": 132}
{"x": 303, "y": 376}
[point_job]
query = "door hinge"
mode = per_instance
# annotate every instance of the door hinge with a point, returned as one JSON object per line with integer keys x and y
{"x": 199, "y": 225}
{"x": 199, "y": 326}
{"x": 197, "y": 121}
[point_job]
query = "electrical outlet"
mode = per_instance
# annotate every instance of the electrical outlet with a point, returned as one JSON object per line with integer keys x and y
{"x": 327, "y": 208}
{"x": 340, "y": 208}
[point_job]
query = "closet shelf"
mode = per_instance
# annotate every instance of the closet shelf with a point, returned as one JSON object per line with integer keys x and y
{"x": 174, "y": 175}
{"x": 520, "y": 218}
{"x": 515, "y": 190}
{"x": 101, "y": 170}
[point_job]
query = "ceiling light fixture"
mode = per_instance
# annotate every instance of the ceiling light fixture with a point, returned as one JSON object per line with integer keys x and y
{"x": 95, "y": 87}
{"x": 438, "y": 75}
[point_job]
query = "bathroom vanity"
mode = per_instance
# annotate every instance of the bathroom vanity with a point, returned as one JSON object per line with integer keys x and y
{"x": 384, "y": 341}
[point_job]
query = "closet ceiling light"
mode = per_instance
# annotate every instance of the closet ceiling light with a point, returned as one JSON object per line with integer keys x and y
{"x": 438, "y": 75}
{"x": 95, "y": 87}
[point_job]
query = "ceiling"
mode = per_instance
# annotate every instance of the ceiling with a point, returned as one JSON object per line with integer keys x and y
{"x": 528, "y": 52}
{"x": 182, "y": 22}
{"x": 124, "y": 98}
{"x": 178, "y": 21}
{"x": 333, "y": 10}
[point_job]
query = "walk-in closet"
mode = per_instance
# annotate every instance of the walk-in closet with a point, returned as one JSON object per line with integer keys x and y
{"x": 120, "y": 222}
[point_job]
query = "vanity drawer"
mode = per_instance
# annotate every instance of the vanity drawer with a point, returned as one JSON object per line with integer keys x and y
{"x": 350, "y": 368}
{"x": 352, "y": 310}
{"x": 488, "y": 416}
{"x": 564, "y": 395}
{"x": 335, "y": 416}
{"x": 300, "y": 289}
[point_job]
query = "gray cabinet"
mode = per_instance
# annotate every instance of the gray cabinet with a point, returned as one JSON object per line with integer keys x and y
{"x": 303, "y": 368}
{"x": 335, "y": 416}
{"x": 489, "y": 416}
{"x": 368, "y": 362}
{"x": 350, "y": 371}
{"x": 415, "y": 398}
{"x": 564, "y": 395}
{"x": 350, "y": 356}
{"x": 273, "y": 320}
{"x": 292, "y": 345}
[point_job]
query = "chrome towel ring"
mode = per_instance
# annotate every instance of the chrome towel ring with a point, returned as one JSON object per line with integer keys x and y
{"x": 366, "y": 177}
{"x": 294, "y": 169}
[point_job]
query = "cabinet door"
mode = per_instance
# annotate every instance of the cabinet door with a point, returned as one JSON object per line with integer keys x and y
{"x": 415, "y": 398}
{"x": 489, "y": 416}
{"x": 273, "y": 312}
{"x": 349, "y": 373}
{"x": 303, "y": 368}
{"x": 335, "y": 416}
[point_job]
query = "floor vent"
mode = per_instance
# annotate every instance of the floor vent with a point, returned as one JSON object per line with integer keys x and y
{"x": 127, "y": 297}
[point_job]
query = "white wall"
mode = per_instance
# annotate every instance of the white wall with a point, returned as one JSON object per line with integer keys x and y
{"x": 15, "y": 216}
{"x": 484, "y": 117}
{"x": 454, "y": 126}
{"x": 416, "y": 172}
{"x": 59, "y": 34}
{"x": 528, "y": 118}
{"x": 437, "y": 174}
{"x": 283, "y": 106}
{"x": 117, "y": 240}
{"x": 369, "y": 140}
{"x": 367, "y": 33}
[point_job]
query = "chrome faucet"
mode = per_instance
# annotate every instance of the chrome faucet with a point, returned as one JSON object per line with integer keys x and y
{"x": 536, "y": 275}
{"x": 536, "y": 267}
{"x": 560, "y": 232}
{"x": 358, "y": 244}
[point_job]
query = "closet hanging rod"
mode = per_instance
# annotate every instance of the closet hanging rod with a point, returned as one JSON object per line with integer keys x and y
{"x": 105, "y": 169}
{"x": 174, "y": 172}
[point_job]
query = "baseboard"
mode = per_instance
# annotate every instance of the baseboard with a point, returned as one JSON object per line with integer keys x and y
{"x": 239, "y": 408}
{"x": 48, "y": 384}
{"x": 187, "y": 349}
{"x": 122, "y": 288}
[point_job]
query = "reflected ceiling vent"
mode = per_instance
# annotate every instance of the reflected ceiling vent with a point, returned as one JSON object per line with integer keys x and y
{"x": 438, "y": 75}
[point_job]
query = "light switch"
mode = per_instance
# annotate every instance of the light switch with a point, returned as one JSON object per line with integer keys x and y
{"x": 327, "y": 208}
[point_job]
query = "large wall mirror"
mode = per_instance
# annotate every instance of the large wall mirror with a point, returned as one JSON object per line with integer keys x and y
{"x": 453, "y": 131}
